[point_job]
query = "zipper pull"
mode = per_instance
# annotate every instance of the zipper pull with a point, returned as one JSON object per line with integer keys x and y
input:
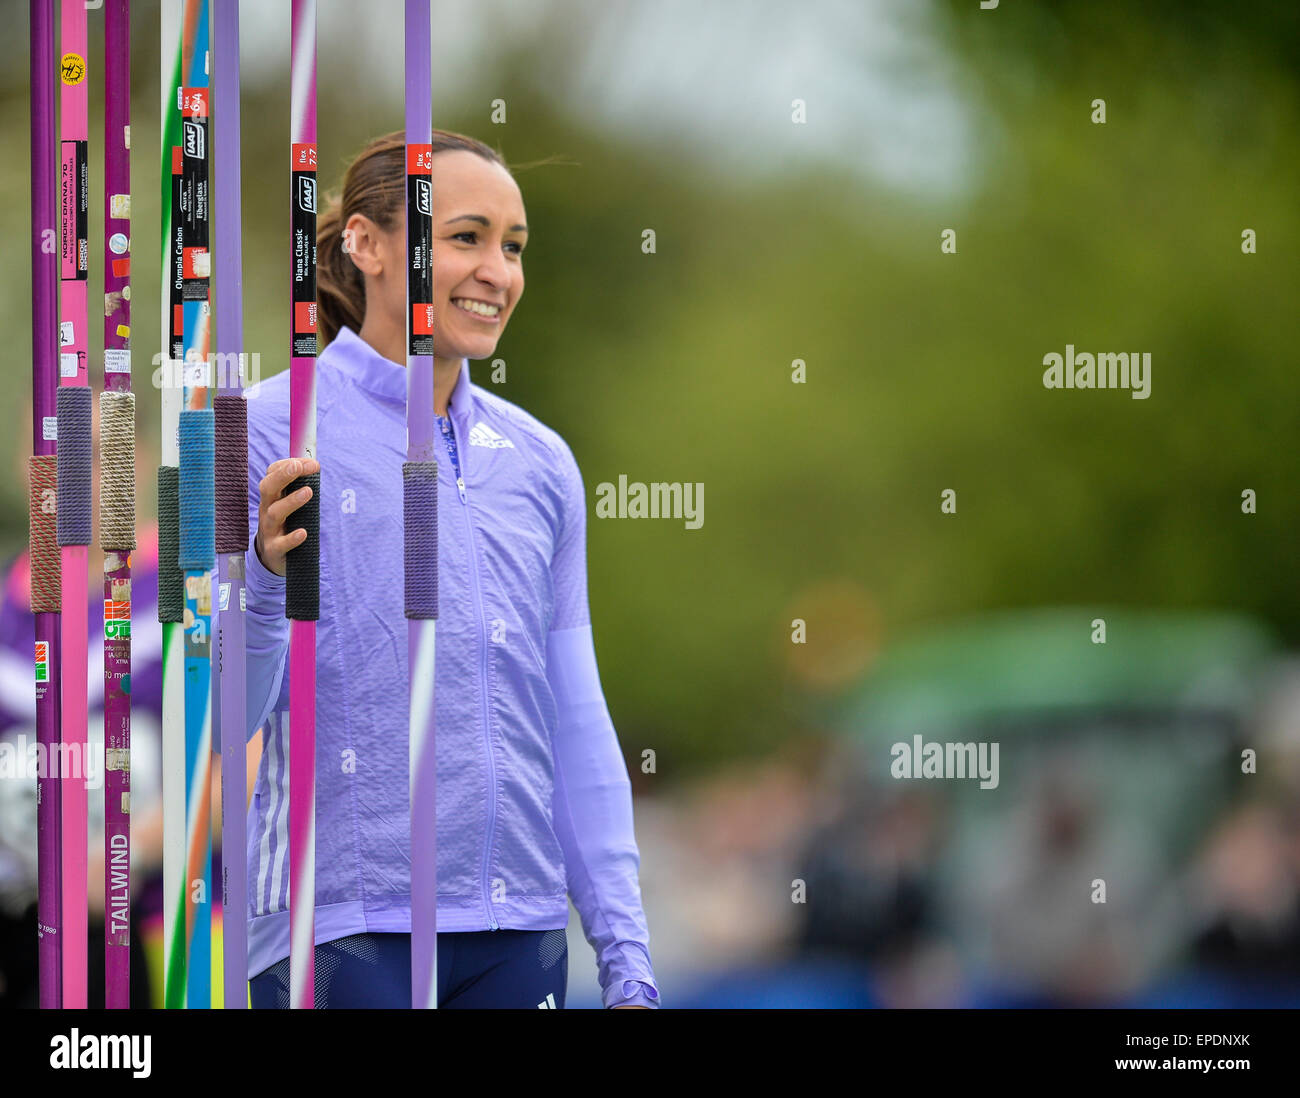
{"x": 460, "y": 484}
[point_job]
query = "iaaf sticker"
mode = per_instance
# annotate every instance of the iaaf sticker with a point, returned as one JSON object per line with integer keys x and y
{"x": 194, "y": 140}
{"x": 422, "y": 190}
{"x": 307, "y": 193}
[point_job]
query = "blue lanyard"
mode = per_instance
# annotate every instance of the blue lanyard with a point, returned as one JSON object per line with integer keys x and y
{"x": 444, "y": 425}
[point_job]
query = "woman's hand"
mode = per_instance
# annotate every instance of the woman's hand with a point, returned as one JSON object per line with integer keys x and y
{"x": 273, "y": 510}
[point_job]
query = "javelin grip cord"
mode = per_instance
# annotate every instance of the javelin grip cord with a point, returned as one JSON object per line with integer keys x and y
{"x": 420, "y": 513}
{"x": 197, "y": 538}
{"x": 302, "y": 562}
{"x": 116, "y": 470}
{"x": 47, "y": 569}
{"x": 230, "y": 418}
{"x": 74, "y": 465}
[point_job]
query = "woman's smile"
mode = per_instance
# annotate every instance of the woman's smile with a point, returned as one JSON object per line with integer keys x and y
{"x": 487, "y": 312}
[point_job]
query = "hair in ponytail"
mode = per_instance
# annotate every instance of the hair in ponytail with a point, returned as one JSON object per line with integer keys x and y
{"x": 375, "y": 187}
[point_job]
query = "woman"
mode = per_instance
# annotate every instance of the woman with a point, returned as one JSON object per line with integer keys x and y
{"x": 534, "y": 803}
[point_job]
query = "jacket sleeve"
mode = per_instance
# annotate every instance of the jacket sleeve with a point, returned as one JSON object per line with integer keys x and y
{"x": 266, "y": 629}
{"x": 592, "y": 798}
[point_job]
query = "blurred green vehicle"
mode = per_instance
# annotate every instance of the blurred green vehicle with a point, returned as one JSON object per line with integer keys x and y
{"x": 1073, "y": 879}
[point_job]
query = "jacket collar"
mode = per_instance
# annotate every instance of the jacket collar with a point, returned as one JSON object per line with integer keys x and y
{"x": 387, "y": 379}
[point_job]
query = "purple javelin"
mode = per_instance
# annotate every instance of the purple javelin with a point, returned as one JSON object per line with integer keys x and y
{"x": 420, "y": 495}
{"x": 117, "y": 555}
{"x": 45, "y": 324}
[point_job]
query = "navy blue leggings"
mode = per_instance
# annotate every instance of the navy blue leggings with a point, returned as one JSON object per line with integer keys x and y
{"x": 477, "y": 970}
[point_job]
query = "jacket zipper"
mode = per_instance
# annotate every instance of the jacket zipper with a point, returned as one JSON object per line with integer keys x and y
{"x": 487, "y": 728}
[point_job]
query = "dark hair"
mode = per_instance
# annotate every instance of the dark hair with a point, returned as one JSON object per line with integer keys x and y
{"x": 375, "y": 187}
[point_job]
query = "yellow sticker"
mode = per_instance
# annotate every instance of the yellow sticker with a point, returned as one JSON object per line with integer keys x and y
{"x": 124, "y": 331}
{"x": 72, "y": 68}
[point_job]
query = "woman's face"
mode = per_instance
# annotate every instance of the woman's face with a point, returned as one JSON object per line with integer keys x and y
{"x": 478, "y": 239}
{"x": 479, "y": 233}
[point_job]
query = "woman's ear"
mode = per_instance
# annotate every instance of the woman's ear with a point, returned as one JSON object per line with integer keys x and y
{"x": 360, "y": 245}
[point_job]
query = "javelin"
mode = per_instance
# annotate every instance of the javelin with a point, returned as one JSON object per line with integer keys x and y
{"x": 74, "y": 517}
{"x": 420, "y": 509}
{"x": 231, "y": 423}
{"x": 43, "y": 552}
{"x": 196, "y": 552}
{"x": 171, "y": 586}
{"x": 117, "y": 504}
{"x": 302, "y": 563}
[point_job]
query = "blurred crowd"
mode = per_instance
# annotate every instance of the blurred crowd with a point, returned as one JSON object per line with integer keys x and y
{"x": 809, "y": 880}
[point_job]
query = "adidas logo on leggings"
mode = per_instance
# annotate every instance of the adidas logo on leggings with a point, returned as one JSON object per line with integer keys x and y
{"x": 548, "y": 1003}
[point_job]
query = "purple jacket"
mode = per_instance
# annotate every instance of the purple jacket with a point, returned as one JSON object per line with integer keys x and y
{"x": 534, "y": 802}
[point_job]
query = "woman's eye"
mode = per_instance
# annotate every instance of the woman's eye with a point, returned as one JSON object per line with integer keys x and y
{"x": 519, "y": 248}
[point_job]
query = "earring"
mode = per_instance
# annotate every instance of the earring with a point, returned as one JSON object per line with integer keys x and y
{"x": 344, "y": 242}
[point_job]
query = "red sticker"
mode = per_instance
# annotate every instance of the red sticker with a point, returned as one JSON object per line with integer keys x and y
{"x": 195, "y": 263}
{"x": 194, "y": 102}
{"x": 121, "y": 268}
{"x": 422, "y": 320}
{"x": 177, "y": 158}
{"x": 419, "y": 159}
{"x": 304, "y": 317}
{"x": 302, "y": 158}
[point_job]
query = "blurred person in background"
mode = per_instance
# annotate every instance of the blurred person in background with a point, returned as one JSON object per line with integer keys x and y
{"x": 1246, "y": 879}
{"x": 1049, "y": 937}
{"x": 1249, "y": 873}
{"x": 19, "y": 978}
{"x": 872, "y": 901}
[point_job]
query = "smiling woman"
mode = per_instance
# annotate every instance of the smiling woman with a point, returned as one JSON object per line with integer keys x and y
{"x": 479, "y": 239}
{"x": 533, "y": 801}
